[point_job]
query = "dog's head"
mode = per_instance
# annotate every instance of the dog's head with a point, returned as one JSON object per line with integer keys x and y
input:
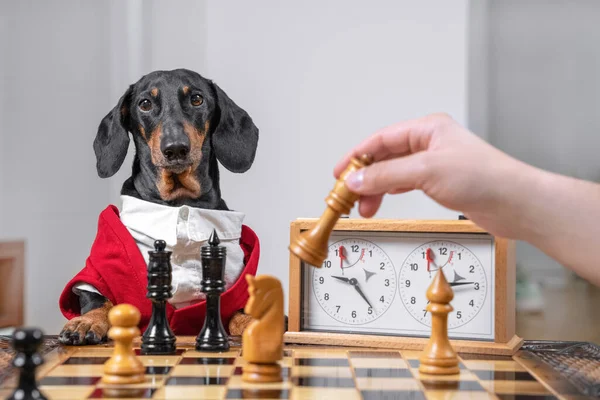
{"x": 181, "y": 124}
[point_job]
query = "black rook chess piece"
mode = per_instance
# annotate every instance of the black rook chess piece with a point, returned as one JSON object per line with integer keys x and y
{"x": 213, "y": 337}
{"x": 158, "y": 337}
{"x": 26, "y": 343}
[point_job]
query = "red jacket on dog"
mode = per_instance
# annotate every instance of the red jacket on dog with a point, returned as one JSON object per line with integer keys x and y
{"x": 118, "y": 270}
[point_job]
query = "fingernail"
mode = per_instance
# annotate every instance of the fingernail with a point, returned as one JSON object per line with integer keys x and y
{"x": 355, "y": 180}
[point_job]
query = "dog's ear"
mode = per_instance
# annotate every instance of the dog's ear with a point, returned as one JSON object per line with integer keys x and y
{"x": 112, "y": 139}
{"x": 235, "y": 137}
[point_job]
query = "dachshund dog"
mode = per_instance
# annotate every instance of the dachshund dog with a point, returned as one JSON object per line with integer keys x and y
{"x": 182, "y": 125}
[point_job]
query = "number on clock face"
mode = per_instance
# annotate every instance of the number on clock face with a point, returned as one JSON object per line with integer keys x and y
{"x": 356, "y": 283}
{"x": 461, "y": 268}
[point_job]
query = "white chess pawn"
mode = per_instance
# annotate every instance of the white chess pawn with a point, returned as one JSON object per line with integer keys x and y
{"x": 123, "y": 368}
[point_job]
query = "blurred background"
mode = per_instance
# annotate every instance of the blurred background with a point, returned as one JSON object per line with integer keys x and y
{"x": 316, "y": 77}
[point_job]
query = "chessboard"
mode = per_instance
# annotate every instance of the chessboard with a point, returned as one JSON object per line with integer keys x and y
{"x": 310, "y": 372}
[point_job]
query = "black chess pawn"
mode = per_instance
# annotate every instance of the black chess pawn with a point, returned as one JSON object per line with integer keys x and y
{"x": 213, "y": 337}
{"x": 158, "y": 337}
{"x": 26, "y": 343}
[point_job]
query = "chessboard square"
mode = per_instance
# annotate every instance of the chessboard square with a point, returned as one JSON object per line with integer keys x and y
{"x": 392, "y": 395}
{"x": 529, "y": 397}
{"x": 78, "y": 370}
{"x": 411, "y": 354}
{"x": 467, "y": 386}
{"x": 86, "y": 361}
{"x": 101, "y": 393}
{"x": 68, "y": 380}
{"x": 323, "y": 381}
{"x": 322, "y": 362}
{"x": 233, "y": 353}
{"x": 515, "y": 387}
{"x": 320, "y": 353}
{"x": 93, "y": 351}
{"x": 258, "y": 393}
{"x": 207, "y": 361}
{"x": 236, "y": 382}
{"x": 63, "y": 392}
{"x": 452, "y": 395}
{"x": 284, "y": 362}
{"x": 414, "y": 363}
{"x": 203, "y": 370}
{"x": 190, "y": 392}
{"x": 157, "y": 370}
{"x": 374, "y": 354}
{"x": 285, "y": 371}
{"x": 379, "y": 363}
{"x": 178, "y": 352}
{"x": 301, "y": 370}
{"x": 486, "y": 357}
{"x": 504, "y": 375}
{"x": 196, "y": 380}
{"x": 311, "y": 393}
{"x": 150, "y": 381}
{"x": 494, "y": 365}
{"x": 163, "y": 361}
{"x": 463, "y": 375}
{"x": 406, "y": 384}
{"x": 382, "y": 373}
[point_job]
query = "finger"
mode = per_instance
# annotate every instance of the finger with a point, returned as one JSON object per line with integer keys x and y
{"x": 399, "y": 191}
{"x": 369, "y": 205}
{"x": 405, "y": 137}
{"x": 399, "y": 174}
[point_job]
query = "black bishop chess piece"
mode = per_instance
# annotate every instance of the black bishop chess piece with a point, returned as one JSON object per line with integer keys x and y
{"x": 158, "y": 337}
{"x": 213, "y": 337}
{"x": 26, "y": 343}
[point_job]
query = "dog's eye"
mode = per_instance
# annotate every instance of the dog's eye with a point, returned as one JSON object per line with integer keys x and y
{"x": 196, "y": 100}
{"x": 145, "y": 105}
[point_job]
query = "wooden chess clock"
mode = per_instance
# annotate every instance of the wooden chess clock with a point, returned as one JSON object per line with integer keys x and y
{"x": 371, "y": 277}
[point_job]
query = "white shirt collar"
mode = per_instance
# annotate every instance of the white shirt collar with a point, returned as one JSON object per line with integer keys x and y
{"x": 160, "y": 222}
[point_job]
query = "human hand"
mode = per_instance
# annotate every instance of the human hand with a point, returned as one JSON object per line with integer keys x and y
{"x": 448, "y": 163}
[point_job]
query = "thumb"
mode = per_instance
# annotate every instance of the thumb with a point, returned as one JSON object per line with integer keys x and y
{"x": 395, "y": 175}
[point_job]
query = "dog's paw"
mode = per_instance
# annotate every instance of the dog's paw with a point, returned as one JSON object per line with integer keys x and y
{"x": 87, "y": 329}
{"x": 238, "y": 323}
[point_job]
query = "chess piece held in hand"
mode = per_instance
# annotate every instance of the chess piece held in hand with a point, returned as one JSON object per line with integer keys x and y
{"x": 25, "y": 343}
{"x": 262, "y": 341}
{"x": 439, "y": 358}
{"x": 158, "y": 337}
{"x": 311, "y": 246}
{"x": 123, "y": 368}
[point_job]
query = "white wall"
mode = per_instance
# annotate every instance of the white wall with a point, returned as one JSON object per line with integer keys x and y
{"x": 545, "y": 93}
{"x": 3, "y": 43}
{"x": 55, "y": 60}
{"x": 478, "y": 67}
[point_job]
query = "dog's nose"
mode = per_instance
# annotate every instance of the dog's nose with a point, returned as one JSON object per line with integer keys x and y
{"x": 176, "y": 151}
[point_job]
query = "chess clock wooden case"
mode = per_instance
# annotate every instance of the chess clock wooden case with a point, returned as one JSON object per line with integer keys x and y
{"x": 370, "y": 290}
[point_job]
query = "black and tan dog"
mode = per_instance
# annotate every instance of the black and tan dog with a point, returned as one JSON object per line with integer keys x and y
{"x": 182, "y": 125}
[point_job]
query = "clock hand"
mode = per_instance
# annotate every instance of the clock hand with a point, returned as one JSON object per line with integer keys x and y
{"x": 342, "y": 258}
{"x": 362, "y": 294}
{"x": 429, "y": 257}
{"x": 341, "y": 278}
{"x": 449, "y": 259}
{"x": 460, "y": 283}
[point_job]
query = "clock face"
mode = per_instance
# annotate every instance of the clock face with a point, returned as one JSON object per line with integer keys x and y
{"x": 376, "y": 283}
{"x": 357, "y": 282}
{"x": 462, "y": 270}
